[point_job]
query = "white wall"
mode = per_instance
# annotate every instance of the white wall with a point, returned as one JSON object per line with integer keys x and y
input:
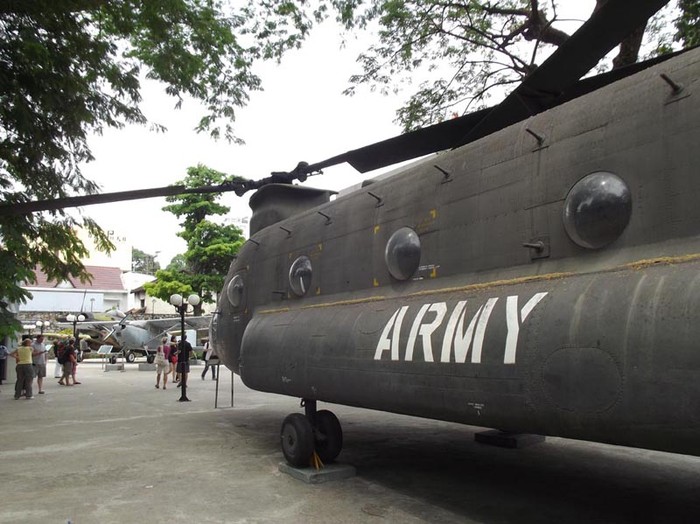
{"x": 120, "y": 257}
{"x": 63, "y": 300}
{"x": 119, "y": 300}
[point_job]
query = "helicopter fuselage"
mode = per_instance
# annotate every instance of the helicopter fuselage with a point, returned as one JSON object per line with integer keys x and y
{"x": 543, "y": 279}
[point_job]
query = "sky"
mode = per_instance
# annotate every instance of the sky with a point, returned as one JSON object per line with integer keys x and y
{"x": 300, "y": 115}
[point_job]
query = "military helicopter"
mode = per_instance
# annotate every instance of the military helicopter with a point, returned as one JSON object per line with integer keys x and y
{"x": 538, "y": 275}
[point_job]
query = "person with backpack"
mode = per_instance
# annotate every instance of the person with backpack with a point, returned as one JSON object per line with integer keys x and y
{"x": 74, "y": 361}
{"x": 67, "y": 359}
{"x": 57, "y": 350}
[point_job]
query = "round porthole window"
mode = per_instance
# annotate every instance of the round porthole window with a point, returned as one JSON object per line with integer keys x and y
{"x": 597, "y": 210}
{"x": 402, "y": 254}
{"x": 234, "y": 291}
{"x": 300, "y": 276}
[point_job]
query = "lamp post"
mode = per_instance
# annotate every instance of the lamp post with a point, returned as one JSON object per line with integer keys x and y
{"x": 183, "y": 358}
{"x": 40, "y": 324}
{"x": 153, "y": 308}
{"x": 75, "y": 319}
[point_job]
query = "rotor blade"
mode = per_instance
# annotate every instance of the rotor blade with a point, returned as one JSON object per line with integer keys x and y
{"x": 407, "y": 146}
{"x": 594, "y": 83}
{"x": 553, "y": 83}
{"x": 541, "y": 90}
{"x": 605, "y": 29}
{"x": 444, "y": 135}
{"x": 24, "y": 208}
{"x": 106, "y": 337}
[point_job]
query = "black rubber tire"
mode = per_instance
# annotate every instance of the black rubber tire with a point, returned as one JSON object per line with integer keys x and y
{"x": 328, "y": 436}
{"x": 113, "y": 360}
{"x": 150, "y": 359}
{"x": 130, "y": 357}
{"x": 297, "y": 438}
{"x": 79, "y": 356}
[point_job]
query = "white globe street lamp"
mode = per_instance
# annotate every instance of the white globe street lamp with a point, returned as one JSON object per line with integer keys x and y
{"x": 193, "y": 300}
{"x": 75, "y": 319}
{"x": 176, "y": 300}
{"x": 183, "y": 357}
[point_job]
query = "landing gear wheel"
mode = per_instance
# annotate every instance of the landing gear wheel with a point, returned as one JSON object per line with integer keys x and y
{"x": 79, "y": 356}
{"x": 113, "y": 360}
{"x": 150, "y": 359}
{"x": 130, "y": 357}
{"x": 328, "y": 436}
{"x": 297, "y": 437}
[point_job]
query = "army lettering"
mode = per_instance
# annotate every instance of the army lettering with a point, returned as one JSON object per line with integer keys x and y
{"x": 457, "y": 340}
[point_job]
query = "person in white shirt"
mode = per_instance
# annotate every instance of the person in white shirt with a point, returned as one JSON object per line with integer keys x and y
{"x": 210, "y": 360}
{"x": 39, "y": 362}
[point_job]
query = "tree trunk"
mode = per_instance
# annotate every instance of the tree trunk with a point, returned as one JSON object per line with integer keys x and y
{"x": 629, "y": 47}
{"x": 539, "y": 28}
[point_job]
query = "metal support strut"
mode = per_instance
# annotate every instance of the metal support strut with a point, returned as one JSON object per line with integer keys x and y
{"x": 309, "y": 410}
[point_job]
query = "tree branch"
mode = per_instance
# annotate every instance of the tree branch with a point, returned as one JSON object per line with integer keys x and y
{"x": 629, "y": 47}
{"x": 539, "y": 28}
{"x": 30, "y": 6}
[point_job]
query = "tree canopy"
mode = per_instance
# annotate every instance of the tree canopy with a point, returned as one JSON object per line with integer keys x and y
{"x": 210, "y": 246}
{"x": 177, "y": 263}
{"x": 466, "y": 49}
{"x": 142, "y": 262}
{"x": 71, "y": 68}
{"x": 688, "y": 23}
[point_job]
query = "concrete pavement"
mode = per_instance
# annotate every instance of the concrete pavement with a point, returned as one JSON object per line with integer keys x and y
{"x": 115, "y": 449}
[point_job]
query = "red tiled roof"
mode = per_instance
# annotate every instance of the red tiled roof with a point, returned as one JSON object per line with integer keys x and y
{"x": 102, "y": 278}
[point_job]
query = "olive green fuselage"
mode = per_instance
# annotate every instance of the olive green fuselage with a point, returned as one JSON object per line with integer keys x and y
{"x": 507, "y": 320}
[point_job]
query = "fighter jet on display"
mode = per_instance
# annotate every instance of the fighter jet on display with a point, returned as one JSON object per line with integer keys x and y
{"x": 541, "y": 274}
